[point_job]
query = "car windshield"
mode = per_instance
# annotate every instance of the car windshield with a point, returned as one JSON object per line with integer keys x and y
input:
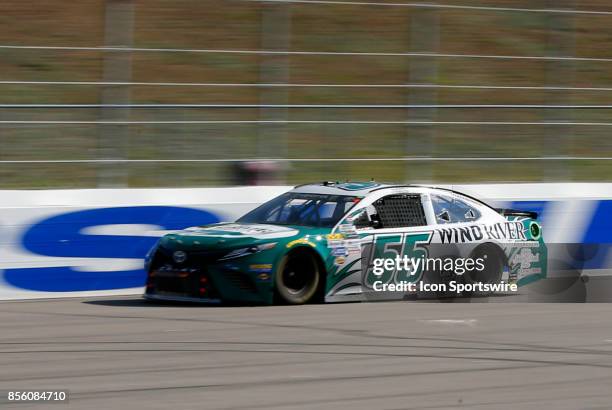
{"x": 302, "y": 209}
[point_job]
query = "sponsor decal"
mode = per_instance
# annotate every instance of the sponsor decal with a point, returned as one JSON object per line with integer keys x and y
{"x": 243, "y": 229}
{"x": 171, "y": 269}
{"x": 524, "y": 258}
{"x": 179, "y": 256}
{"x": 530, "y": 271}
{"x": 347, "y": 228}
{"x": 264, "y": 277}
{"x": 349, "y": 231}
{"x": 354, "y": 249}
{"x": 476, "y": 233}
{"x": 354, "y": 243}
{"x": 341, "y": 243}
{"x": 530, "y": 244}
{"x": 264, "y": 267}
{"x": 339, "y": 251}
{"x": 300, "y": 241}
{"x": 231, "y": 230}
{"x": 535, "y": 230}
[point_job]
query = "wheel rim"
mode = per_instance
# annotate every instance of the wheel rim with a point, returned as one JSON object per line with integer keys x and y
{"x": 298, "y": 277}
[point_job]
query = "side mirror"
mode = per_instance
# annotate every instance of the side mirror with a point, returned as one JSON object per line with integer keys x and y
{"x": 362, "y": 221}
{"x": 375, "y": 222}
{"x": 443, "y": 216}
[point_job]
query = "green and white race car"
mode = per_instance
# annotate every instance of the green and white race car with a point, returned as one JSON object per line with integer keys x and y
{"x": 320, "y": 242}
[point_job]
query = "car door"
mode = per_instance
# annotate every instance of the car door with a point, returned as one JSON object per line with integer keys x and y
{"x": 402, "y": 231}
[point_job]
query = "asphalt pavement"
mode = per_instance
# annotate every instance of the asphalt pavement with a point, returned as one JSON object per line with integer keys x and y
{"x": 124, "y": 353}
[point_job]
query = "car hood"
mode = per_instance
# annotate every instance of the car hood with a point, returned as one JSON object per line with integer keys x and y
{"x": 228, "y": 235}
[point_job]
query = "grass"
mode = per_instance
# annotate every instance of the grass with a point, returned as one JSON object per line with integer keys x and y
{"x": 225, "y": 24}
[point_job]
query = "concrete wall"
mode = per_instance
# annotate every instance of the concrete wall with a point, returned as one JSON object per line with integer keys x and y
{"x": 65, "y": 243}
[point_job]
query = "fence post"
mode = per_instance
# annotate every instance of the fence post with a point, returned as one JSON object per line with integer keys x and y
{"x": 275, "y": 35}
{"x": 113, "y": 140}
{"x": 420, "y": 140}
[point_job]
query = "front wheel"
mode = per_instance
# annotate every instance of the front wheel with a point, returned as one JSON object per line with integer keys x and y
{"x": 297, "y": 278}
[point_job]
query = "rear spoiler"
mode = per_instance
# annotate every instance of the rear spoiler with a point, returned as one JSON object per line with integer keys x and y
{"x": 514, "y": 212}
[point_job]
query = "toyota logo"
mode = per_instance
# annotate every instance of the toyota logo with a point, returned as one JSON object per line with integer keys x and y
{"x": 179, "y": 256}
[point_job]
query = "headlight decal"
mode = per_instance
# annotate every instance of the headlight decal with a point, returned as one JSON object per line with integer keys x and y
{"x": 238, "y": 253}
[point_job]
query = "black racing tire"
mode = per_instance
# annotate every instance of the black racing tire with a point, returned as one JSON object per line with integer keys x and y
{"x": 440, "y": 276}
{"x": 298, "y": 278}
{"x": 492, "y": 273}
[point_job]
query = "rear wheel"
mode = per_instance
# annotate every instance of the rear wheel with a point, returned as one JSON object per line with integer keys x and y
{"x": 493, "y": 268}
{"x": 297, "y": 278}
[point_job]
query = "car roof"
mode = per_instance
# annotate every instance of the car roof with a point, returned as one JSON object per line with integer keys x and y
{"x": 352, "y": 188}
{"x": 362, "y": 189}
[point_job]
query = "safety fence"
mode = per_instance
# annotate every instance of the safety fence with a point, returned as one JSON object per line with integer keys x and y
{"x": 546, "y": 105}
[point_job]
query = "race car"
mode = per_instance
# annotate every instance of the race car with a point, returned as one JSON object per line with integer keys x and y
{"x": 321, "y": 242}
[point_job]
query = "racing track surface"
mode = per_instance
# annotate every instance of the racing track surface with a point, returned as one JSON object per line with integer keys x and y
{"x": 123, "y": 353}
